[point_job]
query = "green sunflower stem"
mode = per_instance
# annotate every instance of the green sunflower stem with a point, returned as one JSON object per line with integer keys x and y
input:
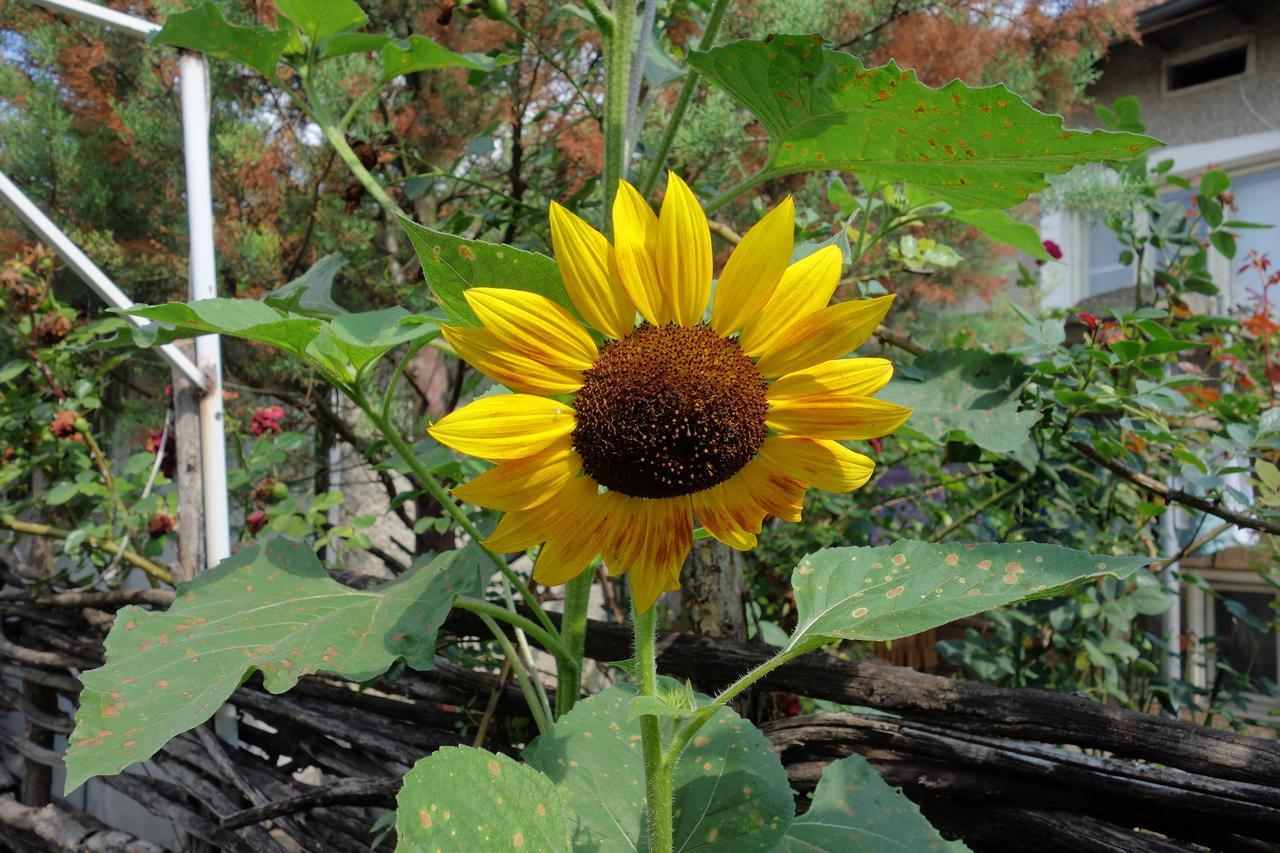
{"x": 573, "y": 633}
{"x": 617, "y": 91}
{"x": 657, "y": 771}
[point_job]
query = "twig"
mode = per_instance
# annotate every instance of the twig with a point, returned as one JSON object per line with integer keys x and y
{"x": 44, "y": 719}
{"x": 1193, "y": 546}
{"x": 981, "y": 507}
{"x": 722, "y": 230}
{"x": 902, "y": 342}
{"x": 492, "y": 705}
{"x": 369, "y": 791}
{"x": 1177, "y": 495}
{"x": 35, "y": 657}
{"x": 155, "y": 570}
{"x": 109, "y": 573}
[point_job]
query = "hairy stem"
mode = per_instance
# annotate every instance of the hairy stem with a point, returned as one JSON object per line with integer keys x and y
{"x": 617, "y": 86}
{"x": 573, "y": 631}
{"x": 657, "y": 772}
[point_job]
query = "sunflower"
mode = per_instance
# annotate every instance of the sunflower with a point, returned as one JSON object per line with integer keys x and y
{"x": 617, "y": 444}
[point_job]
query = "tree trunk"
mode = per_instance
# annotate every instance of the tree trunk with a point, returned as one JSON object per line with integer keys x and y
{"x": 187, "y": 475}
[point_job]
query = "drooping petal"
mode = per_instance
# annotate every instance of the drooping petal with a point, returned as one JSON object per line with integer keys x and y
{"x": 577, "y": 536}
{"x": 483, "y": 350}
{"x": 729, "y": 513}
{"x": 684, "y": 253}
{"x": 827, "y": 465}
{"x": 521, "y": 530}
{"x": 858, "y": 376}
{"x": 590, "y": 274}
{"x": 524, "y": 483}
{"x": 838, "y": 416}
{"x": 627, "y": 531}
{"x": 823, "y": 335}
{"x": 805, "y": 287}
{"x": 773, "y": 488}
{"x": 753, "y": 271}
{"x": 504, "y": 426}
{"x": 668, "y": 538}
{"x": 532, "y": 325}
{"x": 635, "y": 242}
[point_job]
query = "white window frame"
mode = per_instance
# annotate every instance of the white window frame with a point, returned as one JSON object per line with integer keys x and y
{"x": 1250, "y": 64}
{"x": 1200, "y": 622}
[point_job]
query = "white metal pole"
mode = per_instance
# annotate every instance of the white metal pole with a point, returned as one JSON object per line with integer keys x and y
{"x": 88, "y": 271}
{"x": 101, "y": 15}
{"x": 194, "y": 86}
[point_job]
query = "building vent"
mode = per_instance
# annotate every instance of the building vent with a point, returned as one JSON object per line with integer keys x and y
{"x": 1221, "y": 64}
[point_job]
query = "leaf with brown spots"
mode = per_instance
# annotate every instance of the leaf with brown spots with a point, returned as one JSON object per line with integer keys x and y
{"x": 270, "y": 608}
{"x": 460, "y": 798}
{"x": 969, "y": 147}
{"x": 452, "y": 264}
{"x": 897, "y": 590}
{"x": 854, "y": 809}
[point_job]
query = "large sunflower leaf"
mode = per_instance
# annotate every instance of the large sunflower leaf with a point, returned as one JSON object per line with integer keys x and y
{"x": 897, "y": 590}
{"x": 854, "y": 809}
{"x": 322, "y": 18}
{"x": 419, "y": 53}
{"x": 970, "y": 147}
{"x": 965, "y": 393}
{"x": 270, "y": 608}
{"x": 460, "y": 798}
{"x": 205, "y": 30}
{"x": 452, "y": 264}
{"x": 731, "y": 793}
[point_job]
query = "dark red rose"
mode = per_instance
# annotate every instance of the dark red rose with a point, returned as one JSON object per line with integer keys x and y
{"x": 1054, "y": 250}
{"x": 256, "y": 520}
{"x": 266, "y": 420}
{"x": 160, "y": 524}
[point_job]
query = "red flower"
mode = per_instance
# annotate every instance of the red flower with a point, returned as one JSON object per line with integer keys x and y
{"x": 788, "y": 705}
{"x": 169, "y": 464}
{"x": 266, "y": 420}
{"x": 1054, "y": 250}
{"x": 160, "y": 524}
{"x": 64, "y": 426}
{"x": 256, "y": 520}
{"x": 1090, "y": 320}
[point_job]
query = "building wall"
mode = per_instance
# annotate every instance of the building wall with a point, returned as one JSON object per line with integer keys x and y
{"x": 1227, "y": 108}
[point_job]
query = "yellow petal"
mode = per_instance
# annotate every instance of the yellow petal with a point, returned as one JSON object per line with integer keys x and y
{"x": 773, "y": 488}
{"x": 524, "y": 483}
{"x": 580, "y": 530}
{"x": 839, "y": 416}
{"x": 590, "y": 275}
{"x": 519, "y": 531}
{"x": 668, "y": 538}
{"x": 531, "y": 324}
{"x": 635, "y": 242}
{"x": 483, "y": 350}
{"x": 805, "y": 287}
{"x": 684, "y": 252}
{"x": 825, "y": 464}
{"x": 861, "y": 377}
{"x": 504, "y": 426}
{"x": 753, "y": 270}
{"x": 729, "y": 513}
{"x": 823, "y": 335}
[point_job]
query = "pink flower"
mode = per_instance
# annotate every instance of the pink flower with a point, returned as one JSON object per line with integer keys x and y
{"x": 255, "y": 521}
{"x": 1054, "y": 250}
{"x": 266, "y": 420}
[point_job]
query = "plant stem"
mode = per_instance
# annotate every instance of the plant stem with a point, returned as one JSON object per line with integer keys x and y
{"x": 488, "y": 609}
{"x": 133, "y": 558}
{"x": 750, "y": 181}
{"x": 573, "y": 632}
{"x": 708, "y": 39}
{"x": 657, "y": 772}
{"x": 551, "y": 60}
{"x": 617, "y": 85}
{"x": 333, "y": 132}
{"x": 540, "y": 712}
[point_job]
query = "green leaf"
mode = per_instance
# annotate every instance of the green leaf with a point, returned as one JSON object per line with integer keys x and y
{"x": 270, "y": 608}
{"x": 60, "y": 493}
{"x": 321, "y": 18}
{"x": 204, "y": 29}
{"x": 311, "y": 294}
{"x": 1003, "y": 228}
{"x": 897, "y": 590}
{"x": 731, "y": 793}
{"x": 1214, "y": 183}
{"x": 365, "y": 337}
{"x": 460, "y": 798}
{"x": 344, "y": 44}
{"x": 853, "y": 809}
{"x": 419, "y": 53}
{"x": 968, "y": 390}
{"x": 452, "y": 264}
{"x": 1224, "y": 242}
{"x": 970, "y": 147}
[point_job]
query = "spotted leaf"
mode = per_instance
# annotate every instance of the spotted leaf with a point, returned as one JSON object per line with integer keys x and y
{"x": 854, "y": 809}
{"x": 459, "y": 798}
{"x": 270, "y": 608}
{"x": 205, "y": 30}
{"x": 452, "y": 264}
{"x": 969, "y": 147}
{"x": 897, "y": 590}
{"x": 731, "y": 793}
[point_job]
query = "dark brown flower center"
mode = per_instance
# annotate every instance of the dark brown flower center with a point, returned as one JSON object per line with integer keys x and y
{"x": 668, "y": 411}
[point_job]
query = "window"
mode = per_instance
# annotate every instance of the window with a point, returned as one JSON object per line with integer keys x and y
{"x": 1211, "y": 64}
{"x": 1106, "y": 273}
